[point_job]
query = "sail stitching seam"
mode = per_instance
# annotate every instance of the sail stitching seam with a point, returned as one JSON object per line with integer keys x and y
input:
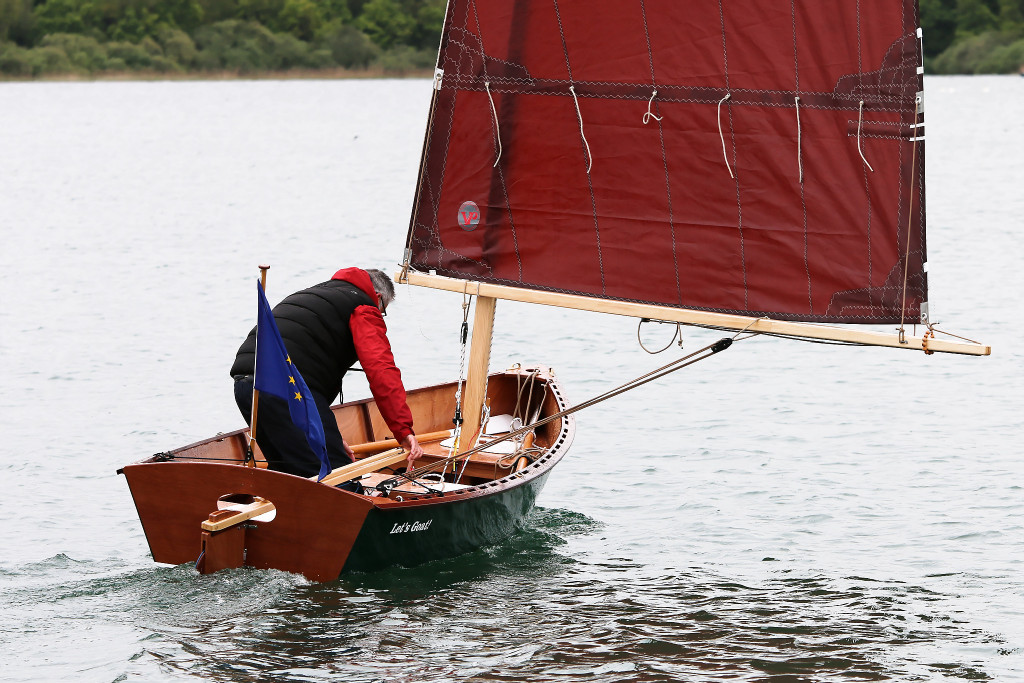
{"x": 664, "y": 155}
{"x": 799, "y": 158}
{"x": 472, "y": 82}
{"x": 712, "y": 309}
{"x": 732, "y": 138}
{"x": 590, "y": 183}
{"x": 501, "y": 174}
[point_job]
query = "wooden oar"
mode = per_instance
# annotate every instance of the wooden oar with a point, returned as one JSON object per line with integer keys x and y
{"x": 222, "y": 519}
{"x": 374, "y": 446}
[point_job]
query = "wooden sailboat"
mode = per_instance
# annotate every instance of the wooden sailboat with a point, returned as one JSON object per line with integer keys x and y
{"x": 738, "y": 166}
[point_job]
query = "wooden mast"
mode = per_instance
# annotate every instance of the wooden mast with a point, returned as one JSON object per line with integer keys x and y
{"x": 485, "y": 290}
{"x": 476, "y": 378}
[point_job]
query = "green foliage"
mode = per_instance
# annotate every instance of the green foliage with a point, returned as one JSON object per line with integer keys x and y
{"x": 989, "y": 52}
{"x": 49, "y": 60}
{"x": 177, "y": 46}
{"x": 403, "y": 59}
{"x": 83, "y": 37}
{"x": 385, "y": 23}
{"x": 301, "y": 18}
{"x": 248, "y": 47}
{"x": 349, "y": 47}
{"x": 938, "y": 21}
{"x": 84, "y": 53}
{"x": 1003, "y": 59}
{"x": 17, "y": 21}
{"x": 14, "y": 60}
{"x": 429, "y": 21}
{"x": 974, "y": 16}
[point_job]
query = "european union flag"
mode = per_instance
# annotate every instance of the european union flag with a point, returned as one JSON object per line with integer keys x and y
{"x": 277, "y": 375}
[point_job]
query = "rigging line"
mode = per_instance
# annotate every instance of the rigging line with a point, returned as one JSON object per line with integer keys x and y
{"x": 422, "y": 177}
{"x": 860, "y": 120}
{"x": 678, "y": 364}
{"x": 497, "y": 130}
{"x": 910, "y": 217}
{"x": 467, "y": 299}
{"x": 799, "y": 157}
{"x": 677, "y": 333}
{"x": 651, "y": 115}
{"x": 935, "y": 327}
{"x": 777, "y": 335}
{"x": 590, "y": 158}
{"x": 725, "y": 154}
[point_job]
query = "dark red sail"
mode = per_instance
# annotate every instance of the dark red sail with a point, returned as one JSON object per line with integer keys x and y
{"x": 751, "y": 157}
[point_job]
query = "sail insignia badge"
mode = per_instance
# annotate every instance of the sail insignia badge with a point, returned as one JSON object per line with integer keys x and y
{"x": 469, "y": 216}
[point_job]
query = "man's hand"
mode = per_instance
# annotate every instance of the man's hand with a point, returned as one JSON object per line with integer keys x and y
{"x": 415, "y": 450}
{"x": 348, "y": 450}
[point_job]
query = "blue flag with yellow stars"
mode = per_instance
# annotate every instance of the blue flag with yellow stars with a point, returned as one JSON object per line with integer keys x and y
{"x": 277, "y": 375}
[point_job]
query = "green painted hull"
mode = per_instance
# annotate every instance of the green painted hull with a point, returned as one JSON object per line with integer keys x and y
{"x": 440, "y": 529}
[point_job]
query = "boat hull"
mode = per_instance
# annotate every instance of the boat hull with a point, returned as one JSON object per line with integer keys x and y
{"x": 321, "y": 531}
{"x": 413, "y": 535}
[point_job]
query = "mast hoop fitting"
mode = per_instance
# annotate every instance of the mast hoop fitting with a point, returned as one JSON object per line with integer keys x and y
{"x": 497, "y": 129}
{"x": 930, "y": 334}
{"x": 590, "y": 158}
{"x": 725, "y": 154}
{"x": 650, "y": 114}
{"x": 677, "y": 333}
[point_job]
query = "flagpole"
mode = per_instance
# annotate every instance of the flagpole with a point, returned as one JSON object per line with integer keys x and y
{"x": 250, "y": 459}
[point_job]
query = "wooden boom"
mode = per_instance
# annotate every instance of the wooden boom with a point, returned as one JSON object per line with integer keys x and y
{"x": 692, "y": 317}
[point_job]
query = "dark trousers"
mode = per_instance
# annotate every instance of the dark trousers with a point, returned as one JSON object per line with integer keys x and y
{"x": 283, "y": 444}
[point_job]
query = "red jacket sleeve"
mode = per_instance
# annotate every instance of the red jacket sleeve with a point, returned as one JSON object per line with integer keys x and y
{"x": 370, "y": 336}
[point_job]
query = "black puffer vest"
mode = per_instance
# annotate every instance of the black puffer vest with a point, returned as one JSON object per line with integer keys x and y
{"x": 314, "y": 327}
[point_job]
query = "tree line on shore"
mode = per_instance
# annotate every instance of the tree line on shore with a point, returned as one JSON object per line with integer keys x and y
{"x": 92, "y": 38}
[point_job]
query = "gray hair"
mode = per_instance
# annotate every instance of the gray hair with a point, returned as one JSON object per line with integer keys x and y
{"x": 382, "y": 283}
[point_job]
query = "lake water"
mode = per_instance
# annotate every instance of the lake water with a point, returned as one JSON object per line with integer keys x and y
{"x": 782, "y": 512}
